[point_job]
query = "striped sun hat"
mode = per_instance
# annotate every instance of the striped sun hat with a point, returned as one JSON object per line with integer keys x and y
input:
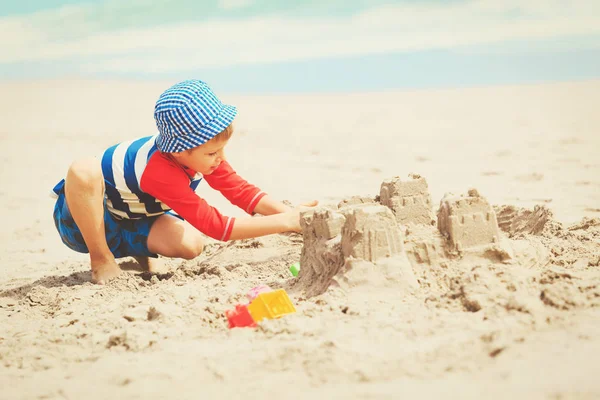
{"x": 189, "y": 114}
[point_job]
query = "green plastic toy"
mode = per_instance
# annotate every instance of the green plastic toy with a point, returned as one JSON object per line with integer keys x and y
{"x": 295, "y": 268}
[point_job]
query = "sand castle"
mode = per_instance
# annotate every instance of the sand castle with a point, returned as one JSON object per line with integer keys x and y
{"x": 409, "y": 200}
{"x": 370, "y": 232}
{"x": 467, "y": 221}
{"x": 373, "y": 230}
{"x": 365, "y": 231}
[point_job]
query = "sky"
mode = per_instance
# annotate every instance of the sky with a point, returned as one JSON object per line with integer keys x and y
{"x": 303, "y": 45}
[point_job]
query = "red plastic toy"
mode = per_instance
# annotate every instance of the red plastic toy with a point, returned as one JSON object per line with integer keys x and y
{"x": 240, "y": 317}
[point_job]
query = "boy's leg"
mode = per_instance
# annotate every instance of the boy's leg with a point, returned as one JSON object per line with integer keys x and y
{"x": 171, "y": 237}
{"x": 84, "y": 192}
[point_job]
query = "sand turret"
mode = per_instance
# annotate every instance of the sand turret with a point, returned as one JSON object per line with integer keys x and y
{"x": 467, "y": 221}
{"x": 409, "y": 200}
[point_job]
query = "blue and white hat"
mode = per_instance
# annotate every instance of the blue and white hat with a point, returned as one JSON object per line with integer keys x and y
{"x": 189, "y": 114}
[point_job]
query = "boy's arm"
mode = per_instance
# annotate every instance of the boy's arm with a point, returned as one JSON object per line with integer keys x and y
{"x": 241, "y": 193}
{"x": 209, "y": 220}
{"x": 244, "y": 228}
{"x": 169, "y": 184}
{"x": 270, "y": 206}
{"x": 286, "y": 220}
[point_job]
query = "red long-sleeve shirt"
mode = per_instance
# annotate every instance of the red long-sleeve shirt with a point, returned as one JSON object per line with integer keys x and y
{"x": 169, "y": 182}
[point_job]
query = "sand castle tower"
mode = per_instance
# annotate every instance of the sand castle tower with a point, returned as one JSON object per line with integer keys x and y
{"x": 467, "y": 221}
{"x": 321, "y": 256}
{"x": 357, "y": 232}
{"x": 409, "y": 200}
{"x": 370, "y": 233}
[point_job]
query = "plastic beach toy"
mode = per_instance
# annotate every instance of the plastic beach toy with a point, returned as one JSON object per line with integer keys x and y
{"x": 295, "y": 268}
{"x": 265, "y": 304}
{"x": 255, "y": 291}
{"x": 240, "y": 317}
{"x": 271, "y": 305}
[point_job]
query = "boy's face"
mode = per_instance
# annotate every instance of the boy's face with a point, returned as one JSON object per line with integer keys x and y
{"x": 205, "y": 158}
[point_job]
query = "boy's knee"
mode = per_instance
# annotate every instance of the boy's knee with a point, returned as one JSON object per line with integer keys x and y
{"x": 85, "y": 172}
{"x": 192, "y": 248}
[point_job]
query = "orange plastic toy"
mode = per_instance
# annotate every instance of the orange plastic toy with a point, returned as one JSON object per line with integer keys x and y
{"x": 271, "y": 305}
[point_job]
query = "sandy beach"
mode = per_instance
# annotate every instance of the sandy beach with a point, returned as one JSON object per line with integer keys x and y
{"x": 512, "y": 315}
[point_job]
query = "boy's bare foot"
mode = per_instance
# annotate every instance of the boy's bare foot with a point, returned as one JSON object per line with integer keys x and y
{"x": 104, "y": 271}
{"x": 152, "y": 265}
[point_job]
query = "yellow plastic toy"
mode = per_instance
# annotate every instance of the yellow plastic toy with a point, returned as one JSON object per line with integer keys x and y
{"x": 271, "y": 305}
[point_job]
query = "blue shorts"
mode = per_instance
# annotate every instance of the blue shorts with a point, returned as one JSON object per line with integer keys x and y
{"x": 125, "y": 237}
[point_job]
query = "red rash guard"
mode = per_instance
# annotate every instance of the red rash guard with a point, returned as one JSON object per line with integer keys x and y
{"x": 169, "y": 182}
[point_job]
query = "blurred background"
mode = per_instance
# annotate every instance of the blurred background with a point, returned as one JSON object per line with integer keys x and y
{"x": 333, "y": 96}
{"x": 263, "y": 46}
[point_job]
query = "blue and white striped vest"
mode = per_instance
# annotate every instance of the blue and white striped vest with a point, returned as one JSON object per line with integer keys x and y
{"x": 123, "y": 166}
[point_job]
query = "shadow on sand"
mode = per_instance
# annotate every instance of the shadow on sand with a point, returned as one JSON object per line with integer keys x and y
{"x": 77, "y": 279}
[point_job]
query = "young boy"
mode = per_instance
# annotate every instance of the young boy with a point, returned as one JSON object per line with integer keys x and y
{"x": 121, "y": 205}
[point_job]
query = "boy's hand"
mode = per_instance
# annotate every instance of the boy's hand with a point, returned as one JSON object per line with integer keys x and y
{"x": 288, "y": 221}
{"x": 294, "y": 215}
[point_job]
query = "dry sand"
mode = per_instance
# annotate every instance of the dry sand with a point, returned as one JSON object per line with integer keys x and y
{"x": 403, "y": 290}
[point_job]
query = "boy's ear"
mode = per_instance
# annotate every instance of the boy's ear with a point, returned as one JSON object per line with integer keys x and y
{"x": 177, "y": 156}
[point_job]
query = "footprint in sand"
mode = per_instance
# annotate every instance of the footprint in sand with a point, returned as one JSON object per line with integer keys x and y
{"x": 534, "y": 177}
{"x": 503, "y": 153}
{"x": 587, "y": 183}
{"x": 570, "y": 160}
{"x": 570, "y": 140}
{"x": 542, "y": 200}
